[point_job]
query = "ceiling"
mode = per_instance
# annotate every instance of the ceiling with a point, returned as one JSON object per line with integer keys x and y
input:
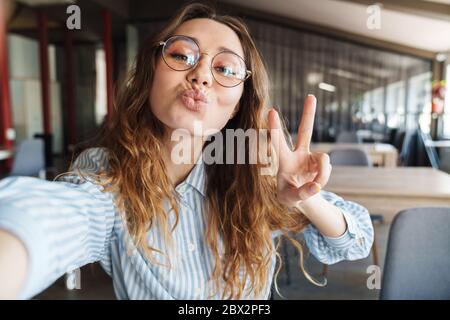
{"x": 23, "y": 19}
{"x": 419, "y": 24}
{"x": 414, "y": 28}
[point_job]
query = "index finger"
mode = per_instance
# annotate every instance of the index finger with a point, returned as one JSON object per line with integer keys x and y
{"x": 305, "y": 129}
{"x": 277, "y": 137}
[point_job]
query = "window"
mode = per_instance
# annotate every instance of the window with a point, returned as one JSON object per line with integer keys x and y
{"x": 446, "y": 119}
{"x": 100, "y": 98}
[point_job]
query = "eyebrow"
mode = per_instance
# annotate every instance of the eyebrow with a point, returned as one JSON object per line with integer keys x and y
{"x": 219, "y": 48}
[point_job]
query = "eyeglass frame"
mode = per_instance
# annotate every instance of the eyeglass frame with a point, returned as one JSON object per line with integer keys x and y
{"x": 248, "y": 73}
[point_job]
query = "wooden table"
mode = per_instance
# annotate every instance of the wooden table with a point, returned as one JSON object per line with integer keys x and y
{"x": 381, "y": 154}
{"x": 5, "y": 154}
{"x": 387, "y": 191}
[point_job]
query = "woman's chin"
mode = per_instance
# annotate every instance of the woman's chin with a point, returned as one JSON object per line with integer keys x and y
{"x": 197, "y": 129}
{"x": 181, "y": 123}
{"x": 193, "y": 128}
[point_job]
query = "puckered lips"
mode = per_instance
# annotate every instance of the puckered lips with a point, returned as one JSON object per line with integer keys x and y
{"x": 194, "y": 100}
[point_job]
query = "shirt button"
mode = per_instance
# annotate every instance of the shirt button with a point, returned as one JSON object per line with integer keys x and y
{"x": 198, "y": 291}
{"x": 191, "y": 247}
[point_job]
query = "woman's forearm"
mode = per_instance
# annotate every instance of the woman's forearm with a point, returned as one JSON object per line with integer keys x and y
{"x": 13, "y": 265}
{"x": 327, "y": 218}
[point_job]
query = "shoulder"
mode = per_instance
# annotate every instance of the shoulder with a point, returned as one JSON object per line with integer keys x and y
{"x": 89, "y": 161}
{"x": 92, "y": 160}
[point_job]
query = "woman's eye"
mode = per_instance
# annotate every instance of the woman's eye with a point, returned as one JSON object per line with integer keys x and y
{"x": 226, "y": 71}
{"x": 183, "y": 58}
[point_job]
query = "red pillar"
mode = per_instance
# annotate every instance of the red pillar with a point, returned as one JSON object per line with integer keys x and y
{"x": 70, "y": 87}
{"x": 107, "y": 43}
{"x": 44, "y": 66}
{"x": 5, "y": 98}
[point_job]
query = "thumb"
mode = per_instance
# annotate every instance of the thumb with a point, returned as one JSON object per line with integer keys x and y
{"x": 308, "y": 190}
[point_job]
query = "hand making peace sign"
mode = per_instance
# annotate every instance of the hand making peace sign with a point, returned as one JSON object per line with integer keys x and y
{"x": 301, "y": 173}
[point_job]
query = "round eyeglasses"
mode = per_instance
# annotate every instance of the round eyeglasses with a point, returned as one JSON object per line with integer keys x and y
{"x": 182, "y": 53}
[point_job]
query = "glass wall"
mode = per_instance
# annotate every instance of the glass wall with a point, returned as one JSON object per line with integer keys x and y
{"x": 447, "y": 105}
{"x": 357, "y": 87}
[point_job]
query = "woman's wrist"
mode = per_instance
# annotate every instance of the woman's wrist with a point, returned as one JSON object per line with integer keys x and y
{"x": 326, "y": 217}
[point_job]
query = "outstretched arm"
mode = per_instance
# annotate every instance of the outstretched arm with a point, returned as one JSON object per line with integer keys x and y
{"x": 48, "y": 229}
{"x": 13, "y": 265}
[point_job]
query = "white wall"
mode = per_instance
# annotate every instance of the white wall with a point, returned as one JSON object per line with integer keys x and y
{"x": 26, "y": 91}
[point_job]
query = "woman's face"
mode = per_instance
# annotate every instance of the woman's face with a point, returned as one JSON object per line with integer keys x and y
{"x": 171, "y": 92}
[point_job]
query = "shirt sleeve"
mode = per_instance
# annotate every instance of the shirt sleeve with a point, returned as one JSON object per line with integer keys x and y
{"x": 63, "y": 225}
{"x": 354, "y": 244}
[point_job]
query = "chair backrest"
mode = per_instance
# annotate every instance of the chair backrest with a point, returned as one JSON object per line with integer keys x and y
{"x": 29, "y": 159}
{"x": 399, "y": 139}
{"x": 417, "y": 264}
{"x": 348, "y": 137}
{"x": 350, "y": 157}
{"x": 408, "y": 153}
{"x": 416, "y": 152}
{"x": 432, "y": 156}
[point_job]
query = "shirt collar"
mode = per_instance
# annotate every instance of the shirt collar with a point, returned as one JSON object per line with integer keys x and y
{"x": 196, "y": 177}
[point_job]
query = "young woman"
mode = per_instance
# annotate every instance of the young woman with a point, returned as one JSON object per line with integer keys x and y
{"x": 165, "y": 229}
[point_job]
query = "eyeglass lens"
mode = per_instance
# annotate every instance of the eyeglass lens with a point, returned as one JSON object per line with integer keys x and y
{"x": 182, "y": 53}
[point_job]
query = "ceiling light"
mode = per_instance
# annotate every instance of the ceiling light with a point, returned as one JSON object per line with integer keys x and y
{"x": 327, "y": 87}
{"x": 314, "y": 78}
{"x": 441, "y": 57}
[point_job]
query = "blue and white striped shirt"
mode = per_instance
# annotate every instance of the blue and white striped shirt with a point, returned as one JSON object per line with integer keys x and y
{"x": 69, "y": 223}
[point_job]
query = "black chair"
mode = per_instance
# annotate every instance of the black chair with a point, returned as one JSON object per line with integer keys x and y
{"x": 408, "y": 152}
{"x": 350, "y": 157}
{"x": 348, "y": 137}
{"x": 29, "y": 159}
{"x": 416, "y": 152}
{"x": 418, "y": 261}
{"x": 398, "y": 140}
{"x": 430, "y": 151}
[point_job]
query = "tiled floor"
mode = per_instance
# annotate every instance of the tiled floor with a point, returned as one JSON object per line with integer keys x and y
{"x": 346, "y": 280}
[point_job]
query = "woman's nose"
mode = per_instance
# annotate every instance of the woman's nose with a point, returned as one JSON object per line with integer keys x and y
{"x": 201, "y": 73}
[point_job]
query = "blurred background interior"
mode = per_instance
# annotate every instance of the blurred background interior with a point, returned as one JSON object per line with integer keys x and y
{"x": 380, "y": 73}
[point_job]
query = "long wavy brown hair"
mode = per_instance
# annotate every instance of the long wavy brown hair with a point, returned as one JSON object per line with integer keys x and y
{"x": 242, "y": 209}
